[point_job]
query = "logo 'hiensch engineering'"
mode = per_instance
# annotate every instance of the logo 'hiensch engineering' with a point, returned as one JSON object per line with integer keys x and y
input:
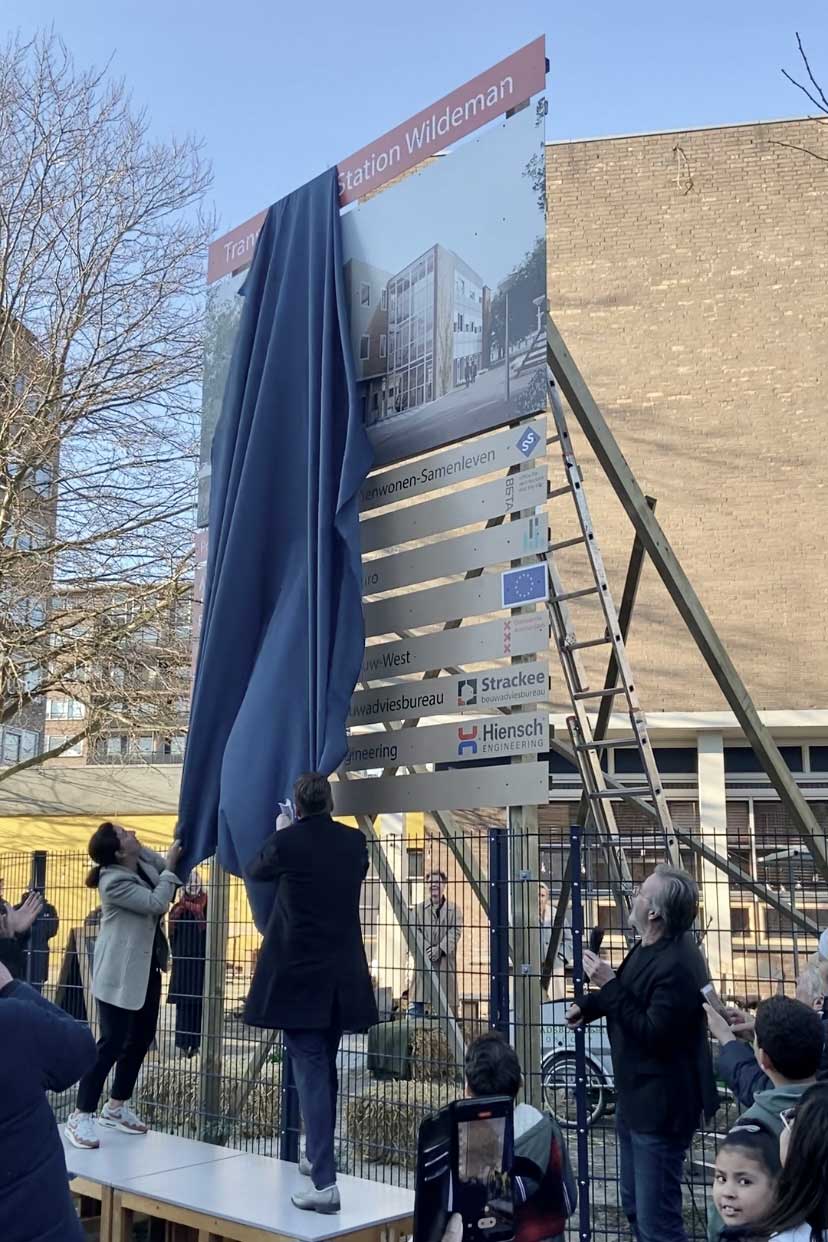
{"x": 500, "y": 737}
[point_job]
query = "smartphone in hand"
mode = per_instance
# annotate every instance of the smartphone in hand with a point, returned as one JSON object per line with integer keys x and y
{"x": 596, "y": 939}
{"x": 482, "y": 1152}
{"x": 713, "y": 999}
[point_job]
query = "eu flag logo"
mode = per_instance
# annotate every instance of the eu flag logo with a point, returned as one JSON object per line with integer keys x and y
{"x": 524, "y": 586}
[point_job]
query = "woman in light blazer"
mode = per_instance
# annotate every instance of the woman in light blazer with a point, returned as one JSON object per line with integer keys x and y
{"x": 136, "y": 888}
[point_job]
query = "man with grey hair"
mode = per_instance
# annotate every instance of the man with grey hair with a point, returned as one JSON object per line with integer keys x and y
{"x": 664, "y": 1080}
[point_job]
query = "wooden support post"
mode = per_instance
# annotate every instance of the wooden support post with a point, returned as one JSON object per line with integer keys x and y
{"x": 212, "y": 1127}
{"x": 525, "y": 946}
{"x": 690, "y": 607}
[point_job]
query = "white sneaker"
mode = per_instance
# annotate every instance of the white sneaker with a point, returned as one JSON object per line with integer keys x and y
{"x": 80, "y": 1131}
{"x": 123, "y": 1119}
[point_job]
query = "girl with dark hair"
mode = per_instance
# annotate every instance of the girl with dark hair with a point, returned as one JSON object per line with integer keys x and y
{"x": 800, "y": 1210}
{"x": 136, "y": 887}
{"x": 744, "y": 1181}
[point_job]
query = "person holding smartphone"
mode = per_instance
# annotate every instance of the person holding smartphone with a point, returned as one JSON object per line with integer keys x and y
{"x": 136, "y": 888}
{"x": 43, "y": 1049}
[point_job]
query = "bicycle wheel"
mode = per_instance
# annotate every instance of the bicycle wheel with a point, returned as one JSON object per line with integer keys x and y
{"x": 559, "y": 1081}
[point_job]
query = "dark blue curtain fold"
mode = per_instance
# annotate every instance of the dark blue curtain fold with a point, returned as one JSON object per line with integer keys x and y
{"x": 282, "y": 634}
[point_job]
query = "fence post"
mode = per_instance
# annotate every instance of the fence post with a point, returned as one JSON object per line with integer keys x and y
{"x": 581, "y": 1115}
{"x": 499, "y": 930}
{"x": 37, "y": 880}
{"x": 211, "y": 1127}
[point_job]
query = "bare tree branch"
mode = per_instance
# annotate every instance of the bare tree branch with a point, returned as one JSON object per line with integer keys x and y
{"x": 102, "y": 240}
{"x": 819, "y": 101}
{"x": 792, "y": 146}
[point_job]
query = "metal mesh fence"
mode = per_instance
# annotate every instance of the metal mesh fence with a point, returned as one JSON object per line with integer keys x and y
{"x": 210, "y": 1076}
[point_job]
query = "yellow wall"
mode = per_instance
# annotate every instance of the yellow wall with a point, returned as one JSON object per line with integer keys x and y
{"x": 72, "y": 832}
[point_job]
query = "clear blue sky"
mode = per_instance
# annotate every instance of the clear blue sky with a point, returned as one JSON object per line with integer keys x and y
{"x": 280, "y": 90}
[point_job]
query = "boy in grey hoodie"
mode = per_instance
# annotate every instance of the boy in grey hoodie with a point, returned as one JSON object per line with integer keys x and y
{"x": 543, "y": 1185}
{"x": 788, "y": 1045}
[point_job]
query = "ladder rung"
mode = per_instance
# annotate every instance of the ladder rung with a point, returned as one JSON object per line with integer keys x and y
{"x": 637, "y": 792}
{"x": 593, "y": 590}
{"x": 553, "y": 439}
{"x": 558, "y": 491}
{"x": 567, "y": 543}
{"x": 598, "y": 694}
{"x": 587, "y": 642}
{"x": 613, "y": 743}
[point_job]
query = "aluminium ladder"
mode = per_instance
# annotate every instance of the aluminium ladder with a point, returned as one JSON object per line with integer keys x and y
{"x": 587, "y": 749}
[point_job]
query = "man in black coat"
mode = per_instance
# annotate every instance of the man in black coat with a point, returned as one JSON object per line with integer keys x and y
{"x": 311, "y": 979}
{"x": 660, "y": 1053}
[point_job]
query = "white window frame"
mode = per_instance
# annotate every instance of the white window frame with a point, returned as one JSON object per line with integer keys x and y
{"x": 11, "y": 735}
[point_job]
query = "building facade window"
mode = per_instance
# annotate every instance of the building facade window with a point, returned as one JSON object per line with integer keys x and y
{"x": 383, "y": 345}
{"x": 57, "y": 739}
{"x": 364, "y": 293}
{"x": 364, "y": 348}
{"x": 11, "y": 746}
{"x": 411, "y": 334}
{"x": 65, "y": 709}
{"x": 415, "y": 872}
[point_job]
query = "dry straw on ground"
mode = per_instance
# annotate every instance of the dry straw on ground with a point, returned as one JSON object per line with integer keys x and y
{"x": 431, "y": 1059}
{"x": 169, "y": 1100}
{"x": 382, "y": 1125}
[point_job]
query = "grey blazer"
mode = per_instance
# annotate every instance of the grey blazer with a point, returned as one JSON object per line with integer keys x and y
{"x": 130, "y": 913}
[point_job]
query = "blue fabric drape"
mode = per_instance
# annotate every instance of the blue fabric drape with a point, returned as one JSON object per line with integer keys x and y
{"x": 282, "y": 634}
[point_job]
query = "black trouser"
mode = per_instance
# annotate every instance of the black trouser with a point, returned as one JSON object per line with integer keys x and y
{"x": 313, "y": 1054}
{"x": 126, "y": 1037}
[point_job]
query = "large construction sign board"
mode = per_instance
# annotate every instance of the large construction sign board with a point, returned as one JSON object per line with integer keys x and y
{"x": 445, "y": 273}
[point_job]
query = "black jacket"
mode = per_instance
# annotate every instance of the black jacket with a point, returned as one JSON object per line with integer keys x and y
{"x": 658, "y": 1036}
{"x": 312, "y": 960}
{"x": 188, "y": 945}
{"x": 42, "y": 1050}
{"x": 36, "y": 943}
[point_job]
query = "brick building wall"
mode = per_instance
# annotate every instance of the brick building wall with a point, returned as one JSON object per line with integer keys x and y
{"x": 688, "y": 274}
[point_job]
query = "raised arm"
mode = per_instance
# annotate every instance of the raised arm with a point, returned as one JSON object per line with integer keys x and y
{"x": 130, "y": 894}
{"x": 266, "y": 864}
